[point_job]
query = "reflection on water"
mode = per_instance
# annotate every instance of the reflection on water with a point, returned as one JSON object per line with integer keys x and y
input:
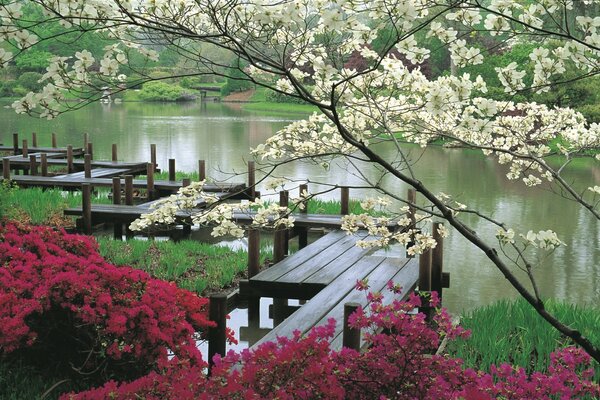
{"x": 222, "y": 136}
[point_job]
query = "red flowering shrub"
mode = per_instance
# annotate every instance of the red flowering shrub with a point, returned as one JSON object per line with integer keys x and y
{"x": 399, "y": 364}
{"x": 63, "y": 305}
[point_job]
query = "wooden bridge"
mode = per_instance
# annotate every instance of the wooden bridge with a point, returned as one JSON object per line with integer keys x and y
{"x": 325, "y": 273}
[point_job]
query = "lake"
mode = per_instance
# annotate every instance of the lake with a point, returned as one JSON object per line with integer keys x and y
{"x": 222, "y": 135}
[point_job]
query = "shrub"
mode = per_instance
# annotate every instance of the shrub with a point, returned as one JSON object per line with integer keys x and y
{"x": 62, "y": 306}
{"x": 30, "y": 81}
{"x": 277, "y": 97}
{"x": 400, "y": 363}
{"x": 161, "y": 91}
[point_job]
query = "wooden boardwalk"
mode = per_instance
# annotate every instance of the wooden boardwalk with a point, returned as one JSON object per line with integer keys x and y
{"x": 77, "y": 179}
{"x": 53, "y": 160}
{"x": 325, "y": 273}
{"x": 109, "y": 212}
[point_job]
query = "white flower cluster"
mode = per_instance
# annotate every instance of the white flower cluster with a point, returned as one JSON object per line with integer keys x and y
{"x": 547, "y": 240}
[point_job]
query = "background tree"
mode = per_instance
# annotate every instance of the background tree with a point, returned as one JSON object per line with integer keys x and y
{"x": 300, "y": 48}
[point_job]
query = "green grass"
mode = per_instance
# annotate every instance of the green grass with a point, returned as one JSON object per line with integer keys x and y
{"x": 512, "y": 332}
{"x": 195, "y": 266}
{"x": 41, "y": 206}
{"x": 179, "y": 175}
{"x": 333, "y": 207}
{"x": 260, "y": 102}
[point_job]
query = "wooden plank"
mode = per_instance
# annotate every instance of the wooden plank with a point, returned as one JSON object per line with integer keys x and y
{"x": 167, "y": 186}
{"x": 320, "y": 305}
{"x": 329, "y": 303}
{"x": 329, "y": 264}
{"x": 407, "y": 277}
{"x": 95, "y": 173}
{"x": 24, "y": 161}
{"x": 76, "y": 151}
{"x": 312, "y": 250}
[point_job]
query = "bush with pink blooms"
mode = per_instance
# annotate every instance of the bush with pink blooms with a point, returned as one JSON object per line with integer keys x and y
{"x": 400, "y": 363}
{"x": 62, "y": 306}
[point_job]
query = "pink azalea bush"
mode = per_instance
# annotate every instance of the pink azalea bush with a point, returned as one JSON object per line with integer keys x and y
{"x": 400, "y": 363}
{"x": 63, "y": 305}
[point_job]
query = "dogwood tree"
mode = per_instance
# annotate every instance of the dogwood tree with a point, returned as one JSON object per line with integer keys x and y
{"x": 302, "y": 49}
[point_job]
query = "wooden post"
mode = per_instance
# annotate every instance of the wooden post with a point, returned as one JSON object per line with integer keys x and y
{"x": 425, "y": 271}
{"x": 90, "y": 150}
{"x": 6, "y": 168}
{"x": 437, "y": 259}
{"x": 171, "y": 169}
{"x": 153, "y": 156}
{"x": 129, "y": 190}
{"x": 15, "y": 143}
{"x": 217, "y": 312}
{"x": 187, "y": 228}
{"x": 70, "y": 168}
{"x": 150, "y": 181}
{"x": 44, "y": 164}
{"x": 350, "y": 336}
{"x": 86, "y": 199}
{"x": 86, "y": 139}
{"x": 345, "y": 200}
{"x": 201, "y": 170}
{"x": 34, "y": 139}
{"x": 32, "y": 165}
{"x": 114, "y": 152}
{"x": 425, "y": 283}
{"x": 54, "y": 140}
{"x": 87, "y": 165}
{"x": 303, "y": 232}
{"x": 411, "y": 197}
{"x": 116, "y": 193}
{"x": 280, "y": 243}
{"x": 253, "y": 252}
{"x": 25, "y": 149}
{"x": 251, "y": 180}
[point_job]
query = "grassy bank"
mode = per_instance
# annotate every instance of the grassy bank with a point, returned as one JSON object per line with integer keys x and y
{"x": 41, "y": 206}
{"x": 260, "y": 102}
{"x": 512, "y": 332}
{"x": 195, "y": 266}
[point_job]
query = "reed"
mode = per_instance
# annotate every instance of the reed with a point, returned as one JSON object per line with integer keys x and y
{"x": 41, "y": 206}
{"x": 512, "y": 332}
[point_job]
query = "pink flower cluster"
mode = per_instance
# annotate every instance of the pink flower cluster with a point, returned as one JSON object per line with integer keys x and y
{"x": 399, "y": 363}
{"x": 60, "y": 298}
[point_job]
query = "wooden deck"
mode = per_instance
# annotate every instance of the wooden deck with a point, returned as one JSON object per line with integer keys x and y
{"x": 108, "y": 213}
{"x": 77, "y": 151}
{"x": 325, "y": 273}
{"x": 75, "y": 180}
{"x": 55, "y": 161}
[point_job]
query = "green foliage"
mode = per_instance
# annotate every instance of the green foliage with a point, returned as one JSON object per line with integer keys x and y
{"x": 512, "y": 332}
{"x": 192, "y": 265}
{"x": 30, "y": 81}
{"x": 518, "y": 54}
{"x": 573, "y": 94}
{"x": 277, "y": 97}
{"x": 591, "y": 112}
{"x": 237, "y": 81}
{"x": 33, "y": 60}
{"x": 160, "y": 91}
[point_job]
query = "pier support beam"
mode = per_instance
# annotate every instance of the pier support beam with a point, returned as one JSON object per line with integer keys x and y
{"x": 350, "y": 336}
{"x": 217, "y": 335}
{"x": 116, "y": 194}
{"x": 251, "y": 180}
{"x": 201, "y": 170}
{"x": 345, "y": 200}
{"x": 86, "y": 200}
